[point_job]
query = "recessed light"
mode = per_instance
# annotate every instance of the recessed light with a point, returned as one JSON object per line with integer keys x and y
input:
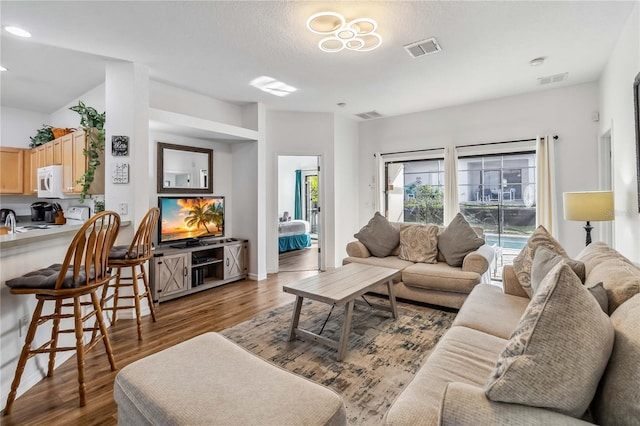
{"x": 17, "y": 31}
{"x": 536, "y": 62}
{"x": 273, "y": 86}
{"x": 2, "y": 68}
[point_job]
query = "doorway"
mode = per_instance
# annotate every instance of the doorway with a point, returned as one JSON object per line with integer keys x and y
{"x": 299, "y": 213}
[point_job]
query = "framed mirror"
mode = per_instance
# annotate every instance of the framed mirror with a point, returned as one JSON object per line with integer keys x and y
{"x": 184, "y": 169}
{"x": 636, "y": 113}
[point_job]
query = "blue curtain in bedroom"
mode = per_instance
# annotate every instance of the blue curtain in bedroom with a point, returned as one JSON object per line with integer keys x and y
{"x": 297, "y": 209}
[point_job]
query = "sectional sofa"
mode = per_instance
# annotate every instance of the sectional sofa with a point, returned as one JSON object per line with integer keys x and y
{"x": 557, "y": 358}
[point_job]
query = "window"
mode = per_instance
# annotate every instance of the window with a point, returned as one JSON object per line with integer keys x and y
{"x": 497, "y": 193}
{"x": 415, "y": 191}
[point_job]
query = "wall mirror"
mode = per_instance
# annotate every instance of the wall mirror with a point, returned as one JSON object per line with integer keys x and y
{"x": 184, "y": 169}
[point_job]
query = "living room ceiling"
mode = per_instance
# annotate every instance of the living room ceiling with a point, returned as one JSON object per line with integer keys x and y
{"x": 217, "y": 47}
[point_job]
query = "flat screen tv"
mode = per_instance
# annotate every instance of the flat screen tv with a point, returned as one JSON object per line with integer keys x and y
{"x": 187, "y": 219}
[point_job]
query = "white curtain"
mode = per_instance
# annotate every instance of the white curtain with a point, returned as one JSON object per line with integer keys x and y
{"x": 379, "y": 183}
{"x": 545, "y": 182}
{"x": 451, "y": 204}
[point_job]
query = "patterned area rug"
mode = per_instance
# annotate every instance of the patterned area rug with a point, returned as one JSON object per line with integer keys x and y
{"x": 382, "y": 358}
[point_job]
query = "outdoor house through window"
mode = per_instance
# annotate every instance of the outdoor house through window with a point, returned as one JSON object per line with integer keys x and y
{"x": 415, "y": 191}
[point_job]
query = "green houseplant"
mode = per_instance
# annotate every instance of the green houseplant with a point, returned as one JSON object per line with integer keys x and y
{"x": 43, "y": 135}
{"x": 92, "y": 123}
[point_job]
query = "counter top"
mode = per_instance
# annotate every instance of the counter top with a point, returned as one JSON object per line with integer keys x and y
{"x": 37, "y": 235}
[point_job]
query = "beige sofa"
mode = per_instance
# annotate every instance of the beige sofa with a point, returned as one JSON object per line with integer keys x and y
{"x": 449, "y": 389}
{"x": 434, "y": 283}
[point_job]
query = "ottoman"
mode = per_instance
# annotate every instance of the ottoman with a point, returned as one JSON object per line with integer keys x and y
{"x": 209, "y": 380}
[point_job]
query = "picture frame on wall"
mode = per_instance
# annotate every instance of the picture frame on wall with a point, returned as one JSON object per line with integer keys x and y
{"x": 636, "y": 113}
{"x": 119, "y": 146}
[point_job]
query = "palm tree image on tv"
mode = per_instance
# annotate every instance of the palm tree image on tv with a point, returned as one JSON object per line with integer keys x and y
{"x": 216, "y": 212}
{"x": 199, "y": 216}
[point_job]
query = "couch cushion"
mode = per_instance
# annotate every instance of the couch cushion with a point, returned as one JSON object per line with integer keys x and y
{"x": 600, "y": 294}
{"x": 463, "y": 355}
{"x": 544, "y": 260}
{"x": 458, "y": 240}
{"x": 619, "y": 276}
{"x": 617, "y": 401}
{"x": 556, "y": 356}
{"x": 379, "y": 236}
{"x": 439, "y": 276}
{"x": 524, "y": 260}
{"x": 388, "y": 262}
{"x": 419, "y": 243}
{"x": 489, "y": 310}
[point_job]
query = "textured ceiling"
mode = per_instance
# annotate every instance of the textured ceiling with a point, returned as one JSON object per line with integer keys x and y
{"x": 216, "y": 48}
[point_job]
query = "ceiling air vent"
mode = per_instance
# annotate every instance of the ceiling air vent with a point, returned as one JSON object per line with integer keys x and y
{"x": 369, "y": 115}
{"x": 424, "y": 47}
{"x": 557, "y": 78}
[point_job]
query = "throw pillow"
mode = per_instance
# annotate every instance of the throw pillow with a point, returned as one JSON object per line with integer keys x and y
{"x": 559, "y": 350}
{"x": 523, "y": 261}
{"x": 544, "y": 260}
{"x": 419, "y": 243}
{"x": 379, "y": 236}
{"x": 457, "y": 240}
{"x": 600, "y": 294}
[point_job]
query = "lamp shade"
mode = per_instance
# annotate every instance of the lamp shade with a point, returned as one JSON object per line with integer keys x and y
{"x": 588, "y": 205}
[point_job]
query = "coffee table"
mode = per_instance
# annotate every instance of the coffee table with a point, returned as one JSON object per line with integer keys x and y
{"x": 340, "y": 287}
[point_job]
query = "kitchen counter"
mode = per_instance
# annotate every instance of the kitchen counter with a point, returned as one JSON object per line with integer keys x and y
{"x": 38, "y": 235}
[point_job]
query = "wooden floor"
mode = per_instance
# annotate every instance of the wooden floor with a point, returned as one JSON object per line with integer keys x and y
{"x": 55, "y": 400}
{"x": 305, "y": 259}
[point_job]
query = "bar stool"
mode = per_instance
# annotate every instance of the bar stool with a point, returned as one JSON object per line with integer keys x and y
{"x": 84, "y": 269}
{"x": 133, "y": 256}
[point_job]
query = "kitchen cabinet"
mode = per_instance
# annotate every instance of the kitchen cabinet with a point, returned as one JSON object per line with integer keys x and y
{"x": 11, "y": 170}
{"x": 30, "y": 165}
{"x": 42, "y": 155}
{"x": 57, "y": 152}
{"x": 74, "y": 164}
{"x": 178, "y": 271}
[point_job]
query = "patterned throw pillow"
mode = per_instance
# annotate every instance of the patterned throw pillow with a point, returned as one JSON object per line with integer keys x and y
{"x": 379, "y": 236}
{"x": 419, "y": 243}
{"x": 458, "y": 240}
{"x": 524, "y": 260}
{"x": 559, "y": 350}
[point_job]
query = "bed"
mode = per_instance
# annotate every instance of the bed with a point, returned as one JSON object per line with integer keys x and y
{"x": 293, "y": 235}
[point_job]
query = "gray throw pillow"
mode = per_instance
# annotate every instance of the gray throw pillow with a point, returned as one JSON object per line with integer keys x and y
{"x": 559, "y": 350}
{"x": 458, "y": 240}
{"x": 545, "y": 259}
{"x": 379, "y": 236}
{"x": 600, "y": 294}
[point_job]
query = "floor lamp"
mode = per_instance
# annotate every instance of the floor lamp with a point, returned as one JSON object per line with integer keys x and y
{"x": 588, "y": 206}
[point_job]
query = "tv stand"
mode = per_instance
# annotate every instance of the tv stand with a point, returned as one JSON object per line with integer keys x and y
{"x": 192, "y": 266}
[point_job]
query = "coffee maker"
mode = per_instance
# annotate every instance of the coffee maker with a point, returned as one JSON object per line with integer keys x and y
{"x": 37, "y": 211}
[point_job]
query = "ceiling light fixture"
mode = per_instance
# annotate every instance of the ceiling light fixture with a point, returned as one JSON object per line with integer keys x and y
{"x": 17, "y": 31}
{"x": 272, "y": 86}
{"x": 358, "y": 34}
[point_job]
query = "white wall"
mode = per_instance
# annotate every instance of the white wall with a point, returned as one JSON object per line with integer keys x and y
{"x": 17, "y": 126}
{"x": 616, "y": 115}
{"x": 565, "y": 111}
{"x": 287, "y": 166}
{"x": 64, "y": 117}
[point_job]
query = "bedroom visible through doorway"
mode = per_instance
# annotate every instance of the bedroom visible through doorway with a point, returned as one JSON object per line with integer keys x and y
{"x": 299, "y": 212}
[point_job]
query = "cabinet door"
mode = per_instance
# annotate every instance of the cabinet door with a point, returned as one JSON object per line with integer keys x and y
{"x": 171, "y": 274}
{"x": 68, "y": 160}
{"x": 79, "y": 160}
{"x": 57, "y": 152}
{"x": 42, "y": 156}
{"x": 48, "y": 154}
{"x": 31, "y": 186}
{"x": 233, "y": 261}
{"x": 11, "y": 171}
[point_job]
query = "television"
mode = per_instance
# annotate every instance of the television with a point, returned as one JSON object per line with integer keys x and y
{"x": 185, "y": 220}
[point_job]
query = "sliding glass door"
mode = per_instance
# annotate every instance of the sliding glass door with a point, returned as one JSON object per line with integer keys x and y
{"x": 498, "y": 193}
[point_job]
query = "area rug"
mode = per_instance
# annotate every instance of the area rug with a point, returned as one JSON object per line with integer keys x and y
{"x": 382, "y": 358}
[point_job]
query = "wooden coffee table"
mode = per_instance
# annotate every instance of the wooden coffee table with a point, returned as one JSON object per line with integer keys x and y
{"x": 340, "y": 286}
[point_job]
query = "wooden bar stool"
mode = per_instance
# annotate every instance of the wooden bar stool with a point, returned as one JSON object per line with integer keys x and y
{"x": 133, "y": 256}
{"x": 85, "y": 268}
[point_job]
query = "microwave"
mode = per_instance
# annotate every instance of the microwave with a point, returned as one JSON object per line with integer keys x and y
{"x": 50, "y": 183}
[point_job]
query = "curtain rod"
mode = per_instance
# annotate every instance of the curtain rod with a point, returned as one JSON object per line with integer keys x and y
{"x": 555, "y": 137}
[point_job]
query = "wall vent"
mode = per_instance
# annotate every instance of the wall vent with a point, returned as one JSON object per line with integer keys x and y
{"x": 557, "y": 78}
{"x": 369, "y": 115}
{"x": 423, "y": 47}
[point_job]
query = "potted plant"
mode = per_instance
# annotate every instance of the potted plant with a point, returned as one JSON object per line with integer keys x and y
{"x": 92, "y": 123}
{"x": 43, "y": 135}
